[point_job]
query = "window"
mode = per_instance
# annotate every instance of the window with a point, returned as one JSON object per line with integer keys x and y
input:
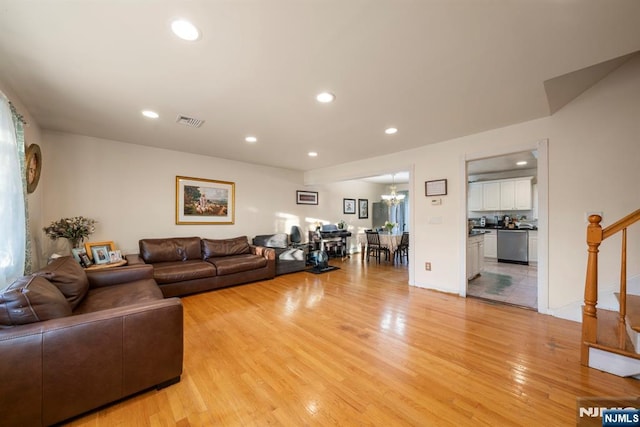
{"x": 12, "y": 208}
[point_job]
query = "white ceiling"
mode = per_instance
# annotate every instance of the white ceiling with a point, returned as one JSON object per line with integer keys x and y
{"x": 434, "y": 69}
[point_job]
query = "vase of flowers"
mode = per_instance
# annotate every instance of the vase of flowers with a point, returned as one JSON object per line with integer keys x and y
{"x": 342, "y": 224}
{"x": 389, "y": 226}
{"x": 74, "y": 229}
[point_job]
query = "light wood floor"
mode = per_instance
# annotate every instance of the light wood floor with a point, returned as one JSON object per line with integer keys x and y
{"x": 358, "y": 346}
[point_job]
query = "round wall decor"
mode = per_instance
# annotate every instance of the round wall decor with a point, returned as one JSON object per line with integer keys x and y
{"x": 33, "y": 165}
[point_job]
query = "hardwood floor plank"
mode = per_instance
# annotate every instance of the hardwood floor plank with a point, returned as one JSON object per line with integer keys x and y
{"x": 358, "y": 346}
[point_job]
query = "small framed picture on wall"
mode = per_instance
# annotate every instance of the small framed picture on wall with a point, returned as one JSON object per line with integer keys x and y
{"x": 363, "y": 208}
{"x": 349, "y": 206}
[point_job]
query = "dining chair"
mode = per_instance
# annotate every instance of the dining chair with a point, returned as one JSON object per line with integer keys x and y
{"x": 402, "y": 251}
{"x": 374, "y": 247}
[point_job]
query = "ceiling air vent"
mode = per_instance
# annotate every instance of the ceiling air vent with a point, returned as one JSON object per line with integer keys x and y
{"x": 189, "y": 121}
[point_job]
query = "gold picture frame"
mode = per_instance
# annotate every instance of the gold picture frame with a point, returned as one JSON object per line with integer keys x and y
{"x": 33, "y": 166}
{"x": 98, "y": 252}
{"x": 205, "y": 201}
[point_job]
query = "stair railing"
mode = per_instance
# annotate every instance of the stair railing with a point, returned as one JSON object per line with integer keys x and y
{"x": 595, "y": 236}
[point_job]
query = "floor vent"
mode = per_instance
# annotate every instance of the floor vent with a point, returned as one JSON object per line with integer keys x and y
{"x": 189, "y": 121}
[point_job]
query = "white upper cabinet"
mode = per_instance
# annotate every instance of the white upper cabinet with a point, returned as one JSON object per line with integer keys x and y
{"x": 491, "y": 196}
{"x": 501, "y": 195}
{"x": 475, "y": 197}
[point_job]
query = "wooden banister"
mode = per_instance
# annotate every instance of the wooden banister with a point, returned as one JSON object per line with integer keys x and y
{"x": 595, "y": 236}
{"x": 620, "y": 224}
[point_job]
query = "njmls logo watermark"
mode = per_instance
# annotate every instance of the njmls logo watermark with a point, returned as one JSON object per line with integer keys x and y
{"x": 608, "y": 411}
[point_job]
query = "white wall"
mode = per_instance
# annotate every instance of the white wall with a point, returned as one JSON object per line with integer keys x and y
{"x": 594, "y": 159}
{"x": 130, "y": 190}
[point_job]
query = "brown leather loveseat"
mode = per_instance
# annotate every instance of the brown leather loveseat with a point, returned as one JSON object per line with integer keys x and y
{"x": 72, "y": 341}
{"x": 185, "y": 265}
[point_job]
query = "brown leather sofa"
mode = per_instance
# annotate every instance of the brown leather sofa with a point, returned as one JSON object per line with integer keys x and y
{"x": 72, "y": 341}
{"x": 186, "y": 265}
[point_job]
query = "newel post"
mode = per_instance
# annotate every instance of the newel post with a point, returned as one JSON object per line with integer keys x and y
{"x": 589, "y": 315}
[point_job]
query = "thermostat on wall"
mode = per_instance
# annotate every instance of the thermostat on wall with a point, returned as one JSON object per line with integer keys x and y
{"x": 436, "y": 202}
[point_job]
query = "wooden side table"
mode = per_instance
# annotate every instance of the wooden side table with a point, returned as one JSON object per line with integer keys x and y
{"x": 108, "y": 265}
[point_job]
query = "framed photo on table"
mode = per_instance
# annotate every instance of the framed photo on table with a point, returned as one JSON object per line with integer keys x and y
{"x": 204, "y": 201}
{"x": 349, "y": 206}
{"x": 99, "y": 251}
{"x": 363, "y": 208}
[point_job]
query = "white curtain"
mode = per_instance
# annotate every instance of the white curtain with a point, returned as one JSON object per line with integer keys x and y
{"x": 12, "y": 212}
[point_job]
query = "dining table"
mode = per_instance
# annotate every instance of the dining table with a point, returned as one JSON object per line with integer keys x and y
{"x": 390, "y": 240}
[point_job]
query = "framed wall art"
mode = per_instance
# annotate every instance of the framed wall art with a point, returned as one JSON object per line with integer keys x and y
{"x": 204, "y": 201}
{"x": 437, "y": 187}
{"x": 363, "y": 208}
{"x": 33, "y": 165}
{"x": 349, "y": 206}
{"x": 307, "y": 197}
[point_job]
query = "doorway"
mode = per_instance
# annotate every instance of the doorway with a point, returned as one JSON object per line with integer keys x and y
{"x": 502, "y": 222}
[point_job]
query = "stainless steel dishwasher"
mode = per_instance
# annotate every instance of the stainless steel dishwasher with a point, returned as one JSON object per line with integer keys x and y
{"x": 513, "y": 246}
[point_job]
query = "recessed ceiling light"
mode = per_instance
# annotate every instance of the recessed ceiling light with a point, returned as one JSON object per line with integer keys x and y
{"x": 185, "y": 30}
{"x": 150, "y": 114}
{"x": 312, "y": 154}
{"x": 390, "y": 131}
{"x": 521, "y": 163}
{"x": 325, "y": 97}
{"x": 251, "y": 139}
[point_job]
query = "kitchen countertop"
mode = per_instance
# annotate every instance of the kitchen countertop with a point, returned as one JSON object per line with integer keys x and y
{"x": 476, "y": 231}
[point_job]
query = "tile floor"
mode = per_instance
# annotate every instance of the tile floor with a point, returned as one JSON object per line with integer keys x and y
{"x": 507, "y": 283}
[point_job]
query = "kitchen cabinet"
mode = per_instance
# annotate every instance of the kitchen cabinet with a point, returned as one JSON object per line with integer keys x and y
{"x": 515, "y": 194}
{"x": 491, "y": 196}
{"x": 475, "y": 199}
{"x": 490, "y": 244}
{"x": 501, "y": 195}
{"x": 475, "y": 256}
{"x": 533, "y": 246}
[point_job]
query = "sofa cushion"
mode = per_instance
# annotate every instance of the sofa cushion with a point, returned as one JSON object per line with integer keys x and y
{"x": 170, "y": 272}
{"x": 224, "y": 247}
{"x": 238, "y": 263}
{"x": 31, "y": 299}
{"x": 170, "y": 249}
{"x": 106, "y": 297}
{"x": 279, "y": 240}
{"x": 69, "y": 277}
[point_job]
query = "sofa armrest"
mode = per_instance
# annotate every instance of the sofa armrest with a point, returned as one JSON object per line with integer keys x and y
{"x": 119, "y": 275}
{"x": 60, "y": 368}
{"x": 268, "y": 253}
{"x": 134, "y": 259}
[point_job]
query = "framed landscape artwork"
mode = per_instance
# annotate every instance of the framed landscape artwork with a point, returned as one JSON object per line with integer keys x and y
{"x": 204, "y": 201}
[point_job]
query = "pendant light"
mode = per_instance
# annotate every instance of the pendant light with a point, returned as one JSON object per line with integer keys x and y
{"x": 393, "y": 199}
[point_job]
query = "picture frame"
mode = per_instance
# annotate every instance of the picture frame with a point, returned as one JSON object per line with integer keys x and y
{"x": 363, "y": 208}
{"x": 306, "y": 197}
{"x": 33, "y": 166}
{"x": 205, "y": 201}
{"x": 98, "y": 252}
{"x": 80, "y": 255}
{"x": 115, "y": 256}
{"x": 349, "y": 206}
{"x": 436, "y": 187}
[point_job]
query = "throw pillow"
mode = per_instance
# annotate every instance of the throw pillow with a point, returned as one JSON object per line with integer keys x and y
{"x": 69, "y": 277}
{"x": 31, "y": 299}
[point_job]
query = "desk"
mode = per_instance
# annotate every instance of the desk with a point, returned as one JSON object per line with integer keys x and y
{"x": 389, "y": 240}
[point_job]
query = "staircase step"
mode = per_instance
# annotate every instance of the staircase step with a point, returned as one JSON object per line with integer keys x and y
{"x": 633, "y": 311}
{"x": 608, "y": 335}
